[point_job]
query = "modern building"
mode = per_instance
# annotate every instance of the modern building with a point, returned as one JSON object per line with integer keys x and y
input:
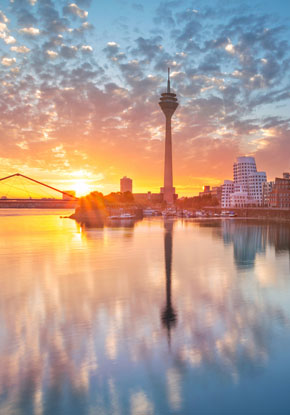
{"x": 214, "y": 192}
{"x": 168, "y": 103}
{"x": 239, "y": 199}
{"x": 126, "y": 184}
{"x": 227, "y": 190}
{"x": 279, "y": 197}
{"x": 148, "y": 198}
{"x": 247, "y": 187}
{"x": 242, "y": 169}
{"x": 255, "y": 187}
{"x": 206, "y": 191}
{"x": 267, "y": 189}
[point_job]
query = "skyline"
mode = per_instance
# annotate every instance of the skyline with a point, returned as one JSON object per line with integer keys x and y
{"x": 80, "y": 83}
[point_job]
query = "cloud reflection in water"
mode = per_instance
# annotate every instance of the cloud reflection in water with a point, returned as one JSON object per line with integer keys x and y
{"x": 83, "y": 318}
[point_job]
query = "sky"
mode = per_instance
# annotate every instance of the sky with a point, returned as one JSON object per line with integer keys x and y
{"x": 80, "y": 83}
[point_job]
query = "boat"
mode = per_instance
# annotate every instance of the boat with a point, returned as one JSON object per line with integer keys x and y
{"x": 225, "y": 213}
{"x": 122, "y": 216}
{"x": 169, "y": 212}
{"x": 232, "y": 214}
{"x": 149, "y": 212}
{"x": 127, "y": 216}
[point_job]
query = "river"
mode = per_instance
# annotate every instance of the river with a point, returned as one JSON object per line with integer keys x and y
{"x": 158, "y": 317}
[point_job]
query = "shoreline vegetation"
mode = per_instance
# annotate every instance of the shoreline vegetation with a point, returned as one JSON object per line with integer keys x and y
{"x": 95, "y": 208}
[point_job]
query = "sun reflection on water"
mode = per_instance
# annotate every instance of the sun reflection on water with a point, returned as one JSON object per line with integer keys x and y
{"x": 93, "y": 310}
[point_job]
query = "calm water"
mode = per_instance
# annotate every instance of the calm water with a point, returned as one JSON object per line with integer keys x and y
{"x": 177, "y": 317}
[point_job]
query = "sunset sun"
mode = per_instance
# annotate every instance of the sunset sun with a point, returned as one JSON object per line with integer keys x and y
{"x": 81, "y": 187}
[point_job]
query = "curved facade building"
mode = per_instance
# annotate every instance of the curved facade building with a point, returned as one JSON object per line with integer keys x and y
{"x": 243, "y": 168}
{"x": 247, "y": 187}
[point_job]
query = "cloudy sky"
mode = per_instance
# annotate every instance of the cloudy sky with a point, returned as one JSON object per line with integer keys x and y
{"x": 80, "y": 83}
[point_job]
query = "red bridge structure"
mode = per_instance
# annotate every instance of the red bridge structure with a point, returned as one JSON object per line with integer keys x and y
{"x": 67, "y": 200}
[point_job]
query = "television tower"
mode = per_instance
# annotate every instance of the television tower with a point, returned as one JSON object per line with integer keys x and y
{"x": 168, "y": 103}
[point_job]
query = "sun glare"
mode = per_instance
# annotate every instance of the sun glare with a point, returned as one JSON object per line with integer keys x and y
{"x": 81, "y": 187}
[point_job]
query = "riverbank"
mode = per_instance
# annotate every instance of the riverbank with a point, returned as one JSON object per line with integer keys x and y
{"x": 256, "y": 213}
{"x": 97, "y": 215}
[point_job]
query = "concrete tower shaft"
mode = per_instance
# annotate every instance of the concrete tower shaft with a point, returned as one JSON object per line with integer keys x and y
{"x": 168, "y": 103}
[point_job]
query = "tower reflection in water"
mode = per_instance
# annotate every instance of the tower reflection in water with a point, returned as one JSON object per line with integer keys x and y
{"x": 168, "y": 315}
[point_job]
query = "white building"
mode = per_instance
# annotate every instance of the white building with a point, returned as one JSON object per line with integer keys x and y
{"x": 243, "y": 168}
{"x": 255, "y": 187}
{"x": 247, "y": 187}
{"x": 239, "y": 199}
{"x": 227, "y": 190}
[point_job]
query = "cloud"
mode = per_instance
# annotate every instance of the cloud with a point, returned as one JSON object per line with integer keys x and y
{"x": 20, "y": 49}
{"x": 52, "y": 54}
{"x": 230, "y": 48}
{"x": 8, "y": 61}
{"x": 51, "y": 20}
{"x": 148, "y": 48}
{"x": 274, "y": 155}
{"x": 165, "y": 12}
{"x": 3, "y": 18}
{"x": 83, "y": 28}
{"x": 210, "y": 64}
{"x": 101, "y": 88}
{"x": 85, "y": 3}
{"x": 29, "y": 31}
{"x": 74, "y": 10}
{"x": 68, "y": 52}
{"x": 4, "y": 31}
{"x": 86, "y": 48}
{"x": 112, "y": 51}
{"x": 8, "y": 39}
{"x": 25, "y": 18}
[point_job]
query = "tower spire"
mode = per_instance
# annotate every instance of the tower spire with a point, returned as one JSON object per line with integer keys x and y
{"x": 168, "y": 103}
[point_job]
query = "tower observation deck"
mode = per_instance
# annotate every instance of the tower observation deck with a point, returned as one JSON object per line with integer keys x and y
{"x": 168, "y": 103}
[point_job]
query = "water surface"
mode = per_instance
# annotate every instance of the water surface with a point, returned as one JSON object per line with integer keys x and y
{"x": 156, "y": 317}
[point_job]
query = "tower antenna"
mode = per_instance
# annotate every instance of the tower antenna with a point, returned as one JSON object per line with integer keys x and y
{"x": 168, "y": 82}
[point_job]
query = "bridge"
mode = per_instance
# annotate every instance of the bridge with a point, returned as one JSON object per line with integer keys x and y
{"x": 67, "y": 200}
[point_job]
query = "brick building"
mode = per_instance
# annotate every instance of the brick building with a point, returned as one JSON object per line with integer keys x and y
{"x": 280, "y": 195}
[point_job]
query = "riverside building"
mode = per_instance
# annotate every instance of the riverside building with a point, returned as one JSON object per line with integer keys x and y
{"x": 267, "y": 189}
{"x": 227, "y": 190}
{"x": 239, "y": 199}
{"x": 242, "y": 169}
{"x": 279, "y": 197}
{"x": 247, "y": 187}
{"x": 126, "y": 184}
{"x": 216, "y": 192}
{"x": 255, "y": 187}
